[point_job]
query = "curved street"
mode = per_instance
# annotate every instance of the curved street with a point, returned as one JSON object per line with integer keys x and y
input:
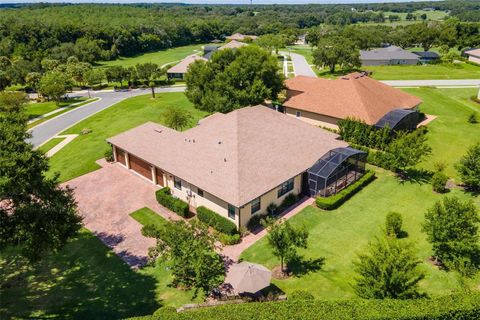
{"x": 48, "y": 129}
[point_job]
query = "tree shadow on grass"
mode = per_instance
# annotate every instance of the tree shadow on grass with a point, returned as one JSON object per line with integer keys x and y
{"x": 415, "y": 175}
{"x": 85, "y": 280}
{"x": 299, "y": 266}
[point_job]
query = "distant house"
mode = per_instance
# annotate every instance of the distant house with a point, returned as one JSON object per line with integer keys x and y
{"x": 179, "y": 70}
{"x": 388, "y": 56}
{"x": 241, "y": 37}
{"x": 234, "y": 44}
{"x": 473, "y": 55}
{"x": 239, "y": 163}
{"x": 427, "y": 56}
{"x": 324, "y": 102}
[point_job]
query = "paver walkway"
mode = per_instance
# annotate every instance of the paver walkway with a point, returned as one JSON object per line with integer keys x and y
{"x": 105, "y": 199}
{"x": 233, "y": 252}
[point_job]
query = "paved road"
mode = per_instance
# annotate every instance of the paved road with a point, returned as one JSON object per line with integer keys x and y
{"x": 434, "y": 83}
{"x": 301, "y": 66}
{"x": 44, "y": 131}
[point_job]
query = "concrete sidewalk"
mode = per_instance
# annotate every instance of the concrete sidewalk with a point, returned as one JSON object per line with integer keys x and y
{"x": 434, "y": 83}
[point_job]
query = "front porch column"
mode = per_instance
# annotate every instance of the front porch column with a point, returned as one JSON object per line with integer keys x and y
{"x": 127, "y": 160}
{"x": 114, "y": 153}
{"x": 154, "y": 175}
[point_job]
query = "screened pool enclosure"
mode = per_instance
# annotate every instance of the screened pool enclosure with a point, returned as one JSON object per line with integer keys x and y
{"x": 399, "y": 119}
{"x": 336, "y": 170}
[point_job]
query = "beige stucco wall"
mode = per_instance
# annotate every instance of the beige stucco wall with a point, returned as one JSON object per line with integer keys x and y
{"x": 267, "y": 198}
{"x": 474, "y": 59}
{"x": 313, "y": 118}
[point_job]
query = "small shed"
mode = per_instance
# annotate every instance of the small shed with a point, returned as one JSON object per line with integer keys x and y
{"x": 336, "y": 170}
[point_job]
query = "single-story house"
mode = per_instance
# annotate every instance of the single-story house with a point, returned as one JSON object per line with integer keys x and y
{"x": 237, "y": 164}
{"x": 427, "y": 56}
{"x": 473, "y": 55}
{"x": 388, "y": 56}
{"x": 323, "y": 102}
{"x": 179, "y": 70}
{"x": 241, "y": 37}
{"x": 234, "y": 44}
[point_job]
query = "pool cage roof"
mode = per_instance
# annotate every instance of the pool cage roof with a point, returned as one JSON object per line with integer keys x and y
{"x": 330, "y": 161}
{"x": 394, "y": 117}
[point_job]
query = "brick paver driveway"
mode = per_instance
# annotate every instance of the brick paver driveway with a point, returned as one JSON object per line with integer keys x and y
{"x": 105, "y": 199}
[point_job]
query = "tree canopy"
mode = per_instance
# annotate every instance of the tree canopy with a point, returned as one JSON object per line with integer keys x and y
{"x": 336, "y": 50}
{"x": 35, "y": 213}
{"x": 233, "y": 79}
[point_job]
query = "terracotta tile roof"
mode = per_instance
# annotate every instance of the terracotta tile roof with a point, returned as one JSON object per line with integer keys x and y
{"x": 182, "y": 66}
{"x": 473, "y": 52}
{"x": 239, "y": 36}
{"x": 237, "y": 156}
{"x": 355, "y": 95}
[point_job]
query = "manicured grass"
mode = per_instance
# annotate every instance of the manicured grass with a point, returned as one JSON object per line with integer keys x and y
{"x": 50, "y": 144}
{"x": 79, "y": 156}
{"x": 42, "y": 120}
{"x": 34, "y": 110}
{"x": 147, "y": 216}
{"x": 85, "y": 280}
{"x": 450, "y": 134}
{"x": 336, "y": 236}
{"x": 159, "y": 57}
{"x": 429, "y": 71}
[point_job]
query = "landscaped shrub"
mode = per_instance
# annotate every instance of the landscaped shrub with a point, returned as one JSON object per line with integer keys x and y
{"x": 229, "y": 239}
{"x": 453, "y": 307}
{"x": 473, "y": 118}
{"x": 336, "y": 200}
{"x": 255, "y": 221}
{"x": 216, "y": 221}
{"x": 439, "y": 182}
{"x": 300, "y": 295}
{"x": 289, "y": 200}
{"x": 165, "y": 198}
{"x": 393, "y": 223}
{"x": 358, "y": 132}
{"x": 109, "y": 155}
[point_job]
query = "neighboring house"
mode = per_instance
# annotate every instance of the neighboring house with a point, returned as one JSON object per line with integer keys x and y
{"x": 237, "y": 164}
{"x": 388, "y": 56}
{"x": 231, "y": 45}
{"x": 324, "y": 102}
{"x": 179, "y": 70}
{"x": 473, "y": 55}
{"x": 241, "y": 37}
{"x": 427, "y": 56}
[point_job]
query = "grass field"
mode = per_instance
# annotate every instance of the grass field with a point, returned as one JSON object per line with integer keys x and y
{"x": 50, "y": 144}
{"x": 34, "y": 110}
{"x": 450, "y": 134}
{"x": 161, "y": 57}
{"x": 107, "y": 123}
{"x": 429, "y": 71}
{"x": 146, "y": 216}
{"x": 337, "y": 236}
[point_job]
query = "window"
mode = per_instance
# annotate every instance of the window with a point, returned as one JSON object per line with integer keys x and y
{"x": 200, "y": 192}
{"x": 255, "y": 205}
{"x": 285, "y": 187}
{"x": 177, "y": 183}
{"x": 231, "y": 212}
{"x": 298, "y": 114}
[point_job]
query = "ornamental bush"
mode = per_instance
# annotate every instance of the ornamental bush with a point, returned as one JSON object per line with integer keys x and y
{"x": 336, "y": 200}
{"x": 393, "y": 223}
{"x": 439, "y": 182}
{"x": 165, "y": 198}
{"x": 229, "y": 239}
{"x": 216, "y": 221}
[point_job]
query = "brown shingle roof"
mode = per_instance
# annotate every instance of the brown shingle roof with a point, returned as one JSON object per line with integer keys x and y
{"x": 182, "y": 66}
{"x": 239, "y": 36}
{"x": 237, "y": 156}
{"x": 234, "y": 44}
{"x": 473, "y": 52}
{"x": 355, "y": 95}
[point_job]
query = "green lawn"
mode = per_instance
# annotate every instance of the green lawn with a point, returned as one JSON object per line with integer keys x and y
{"x": 50, "y": 144}
{"x": 85, "y": 280}
{"x": 146, "y": 216}
{"x": 450, "y": 134}
{"x": 429, "y": 71}
{"x": 37, "y": 109}
{"x": 336, "y": 236}
{"x": 159, "y": 57}
{"x": 125, "y": 115}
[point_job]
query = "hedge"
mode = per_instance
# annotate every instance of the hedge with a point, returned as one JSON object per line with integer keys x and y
{"x": 453, "y": 307}
{"x": 165, "y": 198}
{"x": 336, "y": 200}
{"x": 216, "y": 221}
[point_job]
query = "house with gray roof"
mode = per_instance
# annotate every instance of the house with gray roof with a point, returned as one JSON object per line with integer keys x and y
{"x": 391, "y": 55}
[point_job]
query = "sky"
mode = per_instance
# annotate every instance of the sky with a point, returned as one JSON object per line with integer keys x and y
{"x": 208, "y": 1}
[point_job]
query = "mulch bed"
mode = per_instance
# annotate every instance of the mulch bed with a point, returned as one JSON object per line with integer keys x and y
{"x": 278, "y": 274}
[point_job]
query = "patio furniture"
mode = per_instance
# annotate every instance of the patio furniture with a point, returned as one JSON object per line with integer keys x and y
{"x": 247, "y": 277}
